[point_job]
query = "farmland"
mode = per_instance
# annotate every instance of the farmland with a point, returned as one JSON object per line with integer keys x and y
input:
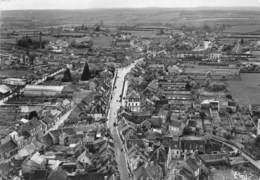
{"x": 249, "y": 29}
{"x": 177, "y": 17}
{"x": 246, "y": 91}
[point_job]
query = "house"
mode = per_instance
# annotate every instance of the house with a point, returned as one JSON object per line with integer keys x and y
{"x": 133, "y": 101}
{"x": 177, "y": 95}
{"x": 33, "y": 170}
{"x": 188, "y": 169}
{"x": 66, "y": 104}
{"x": 159, "y": 154}
{"x": 148, "y": 172}
{"x": 177, "y": 124}
{"x": 8, "y": 149}
{"x": 175, "y": 151}
{"x": 254, "y": 109}
{"x": 167, "y": 84}
{"x": 124, "y": 43}
{"x": 60, "y": 137}
{"x": 157, "y": 67}
{"x": 33, "y": 128}
{"x": 21, "y": 141}
{"x": 126, "y": 128}
{"x": 214, "y": 159}
{"x": 164, "y": 114}
{"x": 97, "y": 109}
{"x": 194, "y": 166}
{"x": 5, "y": 169}
{"x": 176, "y": 127}
{"x": 84, "y": 159}
{"x": 191, "y": 144}
{"x": 135, "y": 157}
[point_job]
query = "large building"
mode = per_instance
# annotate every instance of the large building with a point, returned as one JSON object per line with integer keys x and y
{"x": 133, "y": 101}
{"x": 226, "y": 72}
{"x": 40, "y": 90}
{"x": 14, "y": 81}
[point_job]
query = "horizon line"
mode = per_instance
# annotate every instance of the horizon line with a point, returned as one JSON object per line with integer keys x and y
{"x": 117, "y": 8}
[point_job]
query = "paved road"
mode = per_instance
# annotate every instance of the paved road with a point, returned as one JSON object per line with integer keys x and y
{"x": 112, "y": 118}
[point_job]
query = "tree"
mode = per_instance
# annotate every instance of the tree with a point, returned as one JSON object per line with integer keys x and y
{"x": 229, "y": 96}
{"x": 188, "y": 86}
{"x": 28, "y": 42}
{"x": 161, "y": 31}
{"x": 203, "y": 115}
{"x": 86, "y": 74}
{"x": 227, "y": 136}
{"x": 97, "y": 28}
{"x": 66, "y": 76}
{"x": 32, "y": 115}
{"x": 216, "y": 87}
{"x": 112, "y": 69}
{"x": 207, "y": 82}
{"x": 207, "y": 28}
{"x": 242, "y": 41}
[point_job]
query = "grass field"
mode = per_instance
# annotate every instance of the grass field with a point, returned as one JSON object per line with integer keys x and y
{"x": 246, "y": 91}
{"x": 102, "y": 41}
{"x": 244, "y": 29}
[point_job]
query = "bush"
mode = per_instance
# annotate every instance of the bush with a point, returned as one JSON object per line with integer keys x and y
{"x": 216, "y": 87}
{"x": 27, "y": 42}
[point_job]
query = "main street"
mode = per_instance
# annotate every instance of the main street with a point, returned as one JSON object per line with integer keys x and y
{"x": 112, "y": 118}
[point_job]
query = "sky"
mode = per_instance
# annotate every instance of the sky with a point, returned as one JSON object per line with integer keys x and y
{"x": 90, "y": 4}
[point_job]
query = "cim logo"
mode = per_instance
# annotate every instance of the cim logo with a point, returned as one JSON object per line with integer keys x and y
{"x": 243, "y": 176}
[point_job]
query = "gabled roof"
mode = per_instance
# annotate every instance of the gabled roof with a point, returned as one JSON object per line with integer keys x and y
{"x": 4, "y": 89}
{"x": 141, "y": 173}
{"x": 176, "y": 123}
{"x": 150, "y": 135}
{"x": 159, "y": 154}
{"x": 8, "y": 146}
{"x": 133, "y": 94}
{"x": 186, "y": 173}
{"x": 83, "y": 158}
{"x": 156, "y": 121}
{"x": 47, "y": 140}
{"x": 126, "y": 127}
{"x": 192, "y": 163}
{"x": 151, "y": 171}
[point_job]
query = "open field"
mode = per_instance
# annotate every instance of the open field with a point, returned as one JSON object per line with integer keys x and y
{"x": 156, "y": 16}
{"x": 103, "y": 41}
{"x": 246, "y": 91}
{"x": 244, "y": 29}
{"x": 14, "y": 73}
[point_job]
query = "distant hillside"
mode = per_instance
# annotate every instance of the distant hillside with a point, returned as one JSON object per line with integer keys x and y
{"x": 151, "y": 16}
